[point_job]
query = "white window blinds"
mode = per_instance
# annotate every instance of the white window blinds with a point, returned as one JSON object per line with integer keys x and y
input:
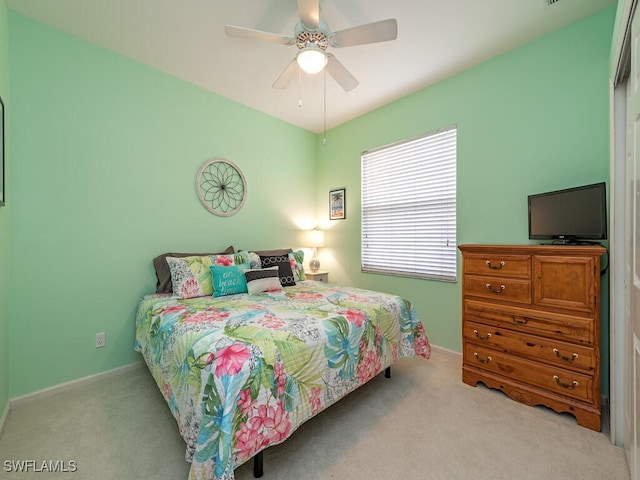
{"x": 409, "y": 207}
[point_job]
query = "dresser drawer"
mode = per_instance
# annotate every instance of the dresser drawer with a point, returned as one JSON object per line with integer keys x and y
{"x": 553, "y": 379}
{"x": 568, "y": 328}
{"x": 547, "y": 350}
{"x": 517, "y": 266}
{"x": 496, "y": 288}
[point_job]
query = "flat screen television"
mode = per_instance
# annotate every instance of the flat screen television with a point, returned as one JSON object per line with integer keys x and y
{"x": 572, "y": 215}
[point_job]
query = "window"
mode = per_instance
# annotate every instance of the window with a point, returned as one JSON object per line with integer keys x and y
{"x": 409, "y": 207}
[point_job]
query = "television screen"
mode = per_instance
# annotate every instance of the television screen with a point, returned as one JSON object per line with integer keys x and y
{"x": 569, "y": 215}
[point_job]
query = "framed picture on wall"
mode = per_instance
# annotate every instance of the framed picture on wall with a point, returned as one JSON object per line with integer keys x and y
{"x": 2, "y": 171}
{"x": 337, "y": 204}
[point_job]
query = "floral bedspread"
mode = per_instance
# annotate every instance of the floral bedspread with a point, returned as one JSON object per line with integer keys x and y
{"x": 242, "y": 372}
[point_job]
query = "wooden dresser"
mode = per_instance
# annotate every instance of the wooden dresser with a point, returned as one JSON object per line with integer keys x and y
{"x": 531, "y": 324}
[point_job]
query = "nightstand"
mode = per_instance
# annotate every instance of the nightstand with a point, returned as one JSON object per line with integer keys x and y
{"x": 319, "y": 276}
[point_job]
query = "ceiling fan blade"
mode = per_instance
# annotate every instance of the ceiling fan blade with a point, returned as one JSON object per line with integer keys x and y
{"x": 241, "y": 32}
{"x": 340, "y": 74}
{"x": 381, "y": 31}
{"x": 309, "y": 11}
{"x": 286, "y": 76}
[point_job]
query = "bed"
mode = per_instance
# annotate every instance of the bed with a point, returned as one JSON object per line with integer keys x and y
{"x": 242, "y": 372}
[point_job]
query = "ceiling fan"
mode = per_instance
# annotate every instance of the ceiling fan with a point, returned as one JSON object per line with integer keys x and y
{"x": 312, "y": 36}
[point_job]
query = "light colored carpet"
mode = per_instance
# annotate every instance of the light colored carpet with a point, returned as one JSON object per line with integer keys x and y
{"x": 422, "y": 424}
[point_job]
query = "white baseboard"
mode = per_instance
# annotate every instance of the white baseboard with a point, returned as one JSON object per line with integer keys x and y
{"x": 63, "y": 387}
{"x": 446, "y": 351}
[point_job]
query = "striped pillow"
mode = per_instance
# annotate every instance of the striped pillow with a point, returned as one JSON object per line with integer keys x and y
{"x": 262, "y": 280}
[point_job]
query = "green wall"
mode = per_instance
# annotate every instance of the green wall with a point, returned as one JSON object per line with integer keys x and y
{"x": 105, "y": 155}
{"x": 531, "y": 120}
{"x": 4, "y": 224}
{"x": 105, "y": 152}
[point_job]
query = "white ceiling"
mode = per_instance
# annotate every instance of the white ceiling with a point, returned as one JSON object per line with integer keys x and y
{"x": 186, "y": 38}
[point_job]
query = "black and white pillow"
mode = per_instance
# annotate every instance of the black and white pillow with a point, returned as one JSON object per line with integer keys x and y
{"x": 284, "y": 267}
{"x": 262, "y": 280}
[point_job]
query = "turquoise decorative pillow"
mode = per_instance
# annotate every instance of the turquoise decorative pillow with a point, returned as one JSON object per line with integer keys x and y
{"x": 228, "y": 280}
{"x": 296, "y": 260}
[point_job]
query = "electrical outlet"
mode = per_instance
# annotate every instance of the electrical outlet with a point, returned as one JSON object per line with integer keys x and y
{"x": 101, "y": 339}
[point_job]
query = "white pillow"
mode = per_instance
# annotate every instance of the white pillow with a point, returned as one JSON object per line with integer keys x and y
{"x": 262, "y": 280}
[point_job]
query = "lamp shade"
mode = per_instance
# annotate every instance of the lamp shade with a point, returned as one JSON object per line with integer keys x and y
{"x": 311, "y": 59}
{"x": 314, "y": 238}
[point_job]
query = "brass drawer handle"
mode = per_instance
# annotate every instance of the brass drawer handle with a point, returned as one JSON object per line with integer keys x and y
{"x": 566, "y": 359}
{"x": 519, "y": 321}
{"x": 498, "y": 290}
{"x": 494, "y": 267}
{"x": 485, "y": 338}
{"x": 475, "y": 354}
{"x": 573, "y": 385}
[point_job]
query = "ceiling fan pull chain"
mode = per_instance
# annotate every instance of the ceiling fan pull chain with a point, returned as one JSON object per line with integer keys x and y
{"x": 299, "y": 87}
{"x": 324, "y": 106}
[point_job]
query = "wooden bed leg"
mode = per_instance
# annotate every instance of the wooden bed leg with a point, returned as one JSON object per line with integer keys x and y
{"x": 387, "y": 372}
{"x": 257, "y": 465}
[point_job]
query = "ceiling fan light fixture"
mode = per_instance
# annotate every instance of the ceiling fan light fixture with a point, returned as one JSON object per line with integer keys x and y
{"x": 312, "y": 59}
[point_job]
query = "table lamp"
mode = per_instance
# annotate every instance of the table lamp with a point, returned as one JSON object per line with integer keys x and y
{"x": 314, "y": 238}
